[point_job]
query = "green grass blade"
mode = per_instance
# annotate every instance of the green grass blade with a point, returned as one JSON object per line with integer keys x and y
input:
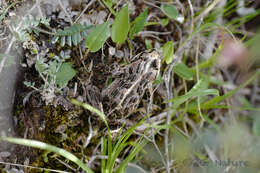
{"x": 104, "y": 152}
{"x": 218, "y": 99}
{"x": 198, "y": 90}
{"x": 129, "y": 158}
{"x": 183, "y": 71}
{"x": 50, "y": 148}
{"x": 121, "y": 144}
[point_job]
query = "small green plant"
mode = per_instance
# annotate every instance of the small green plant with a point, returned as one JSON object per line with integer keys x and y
{"x": 55, "y": 73}
{"x": 168, "y": 52}
{"x": 183, "y": 71}
{"x": 28, "y": 24}
{"x": 6, "y": 10}
{"x": 109, "y": 149}
{"x": 50, "y": 148}
{"x": 70, "y": 35}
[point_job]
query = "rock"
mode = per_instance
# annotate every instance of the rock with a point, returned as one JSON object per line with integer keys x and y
{"x": 8, "y": 78}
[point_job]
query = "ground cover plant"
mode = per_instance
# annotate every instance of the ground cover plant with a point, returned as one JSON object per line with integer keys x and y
{"x": 133, "y": 86}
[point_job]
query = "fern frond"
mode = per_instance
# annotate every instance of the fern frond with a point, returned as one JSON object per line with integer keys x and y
{"x": 70, "y": 35}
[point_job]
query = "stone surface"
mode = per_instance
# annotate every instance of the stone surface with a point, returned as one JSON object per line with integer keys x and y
{"x": 8, "y": 78}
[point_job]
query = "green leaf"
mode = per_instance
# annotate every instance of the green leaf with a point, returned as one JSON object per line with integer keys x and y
{"x": 54, "y": 39}
{"x": 40, "y": 66}
{"x": 197, "y": 90}
{"x": 53, "y": 67}
{"x": 75, "y": 39}
{"x": 183, "y": 71}
{"x": 170, "y": 11}
{"x": 104, "y": 153}
{"x": 62, "y": 41}
{"x": 218, "y": 99}
{"x": 164, "y": 21}
{"x": 148, "y": 44}
{"x": 121, "y": 26}
{"x": 97, "y": 37}
{"x": 50, "y": 148}
{"x": 78, "y": 37}
{"x": 138, "y": 24}
{"x": 69, "y": 40}
{"x": 65, "y": 74}
{"x": 168, "y": 52}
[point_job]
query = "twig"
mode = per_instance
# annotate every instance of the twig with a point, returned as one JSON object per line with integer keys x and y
{"x": 151, "y": 4}
{"x": 213, "y": 38}
{"x": 65, "y": 164}
{"x": 192, "y": 15}
{"x": 255, "y": 91}
{"x": 198, "y": 78}
{"x": 39, "y": 8}
{"x": 167, "y": 80}
{"x": 208, "y": 9}
{"x": 159, "y": 151}
{"x": 157, "y": 119}
{"x": 89, "y": 4}
{"x": 43, "y": 31}
{"x": 168, "y": 84}
{"x": 65, "y": 11}
{"x": 154, "y": 32}
{"x": 33, "y": 167}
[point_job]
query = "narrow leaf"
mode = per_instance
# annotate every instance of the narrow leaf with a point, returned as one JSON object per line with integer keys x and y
{"x": 183, "y": 71}
{"x": 78, "y": 37}
{"x": 74, "y": 39}
{"x": 138, "y": 24}
{"x": 54, "y": 39}
{"x": 62, "y": 41}
{"x": 198, "y": 90}
{"x": 69, "y": 40}
{"x": 121, "y": 26}
{"x": 170, "y": 11}
{"x": 168, "y": 52}
{"x": 164, "y": 21}
{"x": 50, "y": 148}
{"x": 97, "y": 37}
{"x": 218, "y": 99}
